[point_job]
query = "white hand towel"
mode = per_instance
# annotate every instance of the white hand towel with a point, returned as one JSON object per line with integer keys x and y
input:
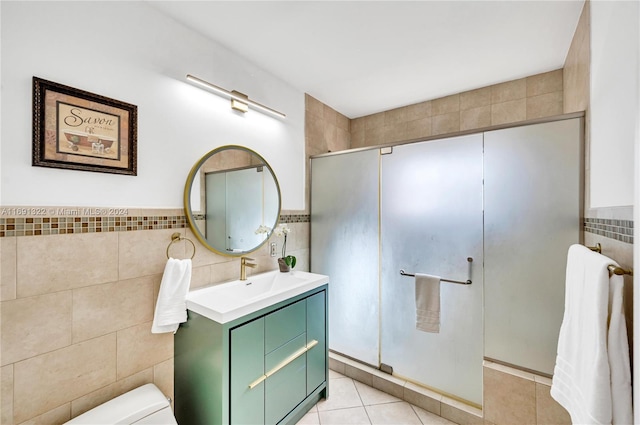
{"x": 427, "y": 303}
{"x": 618, "y": 350}
{"x": 592, "y": 377}
{"x": 171, "y": 307}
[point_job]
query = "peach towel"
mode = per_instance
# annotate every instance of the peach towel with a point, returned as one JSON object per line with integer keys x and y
{"x": 427, "y": 303}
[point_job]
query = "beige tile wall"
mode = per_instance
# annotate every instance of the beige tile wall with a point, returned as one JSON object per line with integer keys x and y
{"x": 326, "y": 130}
{"x": 527, "y": 98}
{"x": 76, "y": 313}
{"x": 576, "y": 86}
{"x": 515, "y": 397}
{"x": 576, "y": 67}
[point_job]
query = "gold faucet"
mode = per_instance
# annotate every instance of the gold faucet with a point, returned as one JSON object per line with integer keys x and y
{"x": 244, "y": 265}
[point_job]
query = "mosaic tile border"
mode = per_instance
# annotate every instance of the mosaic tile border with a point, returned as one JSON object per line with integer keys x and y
{"x": 39, "y": 226}
{"x": 295, "y": 218}
{"x": 621, "y": 230}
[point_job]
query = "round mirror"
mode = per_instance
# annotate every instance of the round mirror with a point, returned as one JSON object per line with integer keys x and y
{"x": 232, "y": 200}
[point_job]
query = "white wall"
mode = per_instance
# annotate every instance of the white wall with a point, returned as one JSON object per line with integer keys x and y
{"x": 129, "y": 51}
{"x": 636, "y": 255}
{"x": 614, "y": 102}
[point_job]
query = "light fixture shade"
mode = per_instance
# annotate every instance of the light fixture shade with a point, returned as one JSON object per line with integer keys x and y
{"x": 239, "y": 101}
{"x": 237, "y": 104}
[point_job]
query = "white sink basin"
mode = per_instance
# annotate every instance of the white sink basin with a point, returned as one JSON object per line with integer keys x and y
{"x": 229, "y": 301}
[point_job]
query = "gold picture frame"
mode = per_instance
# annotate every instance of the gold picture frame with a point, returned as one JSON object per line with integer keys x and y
{"x": 77, "y": 130}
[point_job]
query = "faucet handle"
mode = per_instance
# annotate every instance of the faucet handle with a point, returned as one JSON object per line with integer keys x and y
{"x": 244, "y": 265}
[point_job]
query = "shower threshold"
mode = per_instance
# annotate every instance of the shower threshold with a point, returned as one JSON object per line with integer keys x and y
{"x": 429, "y": 400}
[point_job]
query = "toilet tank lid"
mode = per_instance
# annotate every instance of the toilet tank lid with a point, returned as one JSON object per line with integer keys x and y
{"x": 127, "y": 408}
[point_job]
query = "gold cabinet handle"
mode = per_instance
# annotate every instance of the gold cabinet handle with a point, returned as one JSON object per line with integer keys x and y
{"x": 257, "y": 381}
{"x": 285, "y": 362}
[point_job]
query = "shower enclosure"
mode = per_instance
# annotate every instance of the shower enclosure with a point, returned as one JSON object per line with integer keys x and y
{"x": 507, "y": 199}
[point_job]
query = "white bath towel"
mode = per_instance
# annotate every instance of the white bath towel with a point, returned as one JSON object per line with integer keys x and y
{"x": 427, "y": 303}
{"x": 171, "y": 307}
{"x": 592, "y": 377}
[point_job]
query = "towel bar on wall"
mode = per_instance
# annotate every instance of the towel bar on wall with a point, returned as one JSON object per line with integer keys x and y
{"x": 460, "y": 282}
{"x": 597, "y": 248}
{"x": 619, "y": 271}
{"x": 612, "y": 269}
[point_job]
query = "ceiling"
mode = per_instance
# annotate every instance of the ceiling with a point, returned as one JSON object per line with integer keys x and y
{"x": 363, "y": 57}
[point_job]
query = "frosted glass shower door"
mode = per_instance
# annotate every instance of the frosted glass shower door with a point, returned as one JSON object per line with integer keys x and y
{"x": 344, "y": 246}
{"x": 532, "y": 216}
{"x": 431, "y": 221}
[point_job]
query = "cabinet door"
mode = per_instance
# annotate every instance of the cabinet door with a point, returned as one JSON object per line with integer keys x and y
{"x": 316, "y": 330}
{"x": 247, "y": 365}
{"x": 286, "y": 387}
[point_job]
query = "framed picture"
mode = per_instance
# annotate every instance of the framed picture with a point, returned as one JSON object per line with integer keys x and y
{"x": 78, "y": 130}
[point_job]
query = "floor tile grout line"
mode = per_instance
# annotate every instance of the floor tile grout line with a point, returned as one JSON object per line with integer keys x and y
{"x": 362, "y": 403}
{"x": 357, "y": 392}
{"x": 366, "y": 412}
{"x": 388, "y": 402}
{"x": 416, "y": 413}
{"x": 340, "y": 408}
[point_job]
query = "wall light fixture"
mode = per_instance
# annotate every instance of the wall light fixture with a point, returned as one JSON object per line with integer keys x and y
{"x": 239, "y": 101}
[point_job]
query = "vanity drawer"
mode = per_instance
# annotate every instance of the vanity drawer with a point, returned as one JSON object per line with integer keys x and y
{"x": 284, "y": 325}
{"x": 287, "y": 387}
{"x": 281, "y": 354}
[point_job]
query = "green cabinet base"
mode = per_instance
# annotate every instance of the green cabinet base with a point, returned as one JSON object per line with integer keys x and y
{"x": 235, "y": 373}
{"x": 296, "y": 414}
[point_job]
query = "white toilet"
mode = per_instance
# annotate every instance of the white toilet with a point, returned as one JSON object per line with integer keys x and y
{"x": 144, "y": 405}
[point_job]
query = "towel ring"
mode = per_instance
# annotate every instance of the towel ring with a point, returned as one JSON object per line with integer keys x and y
{"x": 177, "y": 237}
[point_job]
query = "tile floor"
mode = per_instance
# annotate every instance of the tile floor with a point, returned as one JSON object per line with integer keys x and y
{"x": 352, "y": 402}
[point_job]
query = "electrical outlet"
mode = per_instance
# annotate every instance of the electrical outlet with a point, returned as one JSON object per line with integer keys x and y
{"x": 274, "y": 249}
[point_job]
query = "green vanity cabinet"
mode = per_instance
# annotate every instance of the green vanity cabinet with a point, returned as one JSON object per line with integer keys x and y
{"x": 267, "y": 367}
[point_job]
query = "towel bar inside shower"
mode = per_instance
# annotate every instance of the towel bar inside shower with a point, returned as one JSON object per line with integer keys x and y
{"x": 460, "y": 282}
